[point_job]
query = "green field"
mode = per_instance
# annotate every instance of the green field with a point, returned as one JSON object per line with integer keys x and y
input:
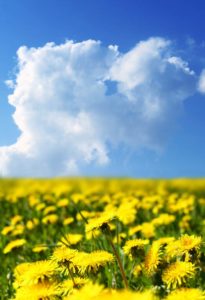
{"x": 102, "y": 239}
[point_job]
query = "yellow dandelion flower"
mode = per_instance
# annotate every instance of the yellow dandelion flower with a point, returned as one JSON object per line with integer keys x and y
{"x": 7, "y": 229}
{"x": 71, "y": 239}
{"x": 18, "y": 230}
{"x": 68, "y": 221}
{"x": 13, "y": 245}
{"x": 153, "y": 258}
{"x": 38, "y": 291}
{"x": 183, "y": 246}
{"x": 148, "y": 230}
{"x": 63, "y": 254}
{"x": 39, "y": 248}
{"x": 186, "y": 294}
{"x": 38, "y": 271}
{"x": 16, "y": 219}
{"x": 49, "y": 209}
{"x": 50, "y": 219}
{"x": 67, "y": 285}
{"x": 177, "y": 273}
{"x": 98, "y": 223}
{"x": 40, "y": 206}
{"x": 132, "y": 245}
{"x": 92, "y": 261}
{"x": 137, "y": 270}
{"x": 63, "y": 202}
{"x": 87, "y": 292}
{"x": 19, "y": 272}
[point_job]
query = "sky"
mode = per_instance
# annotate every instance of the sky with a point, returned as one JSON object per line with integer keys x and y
{"x": 102, "y": 88}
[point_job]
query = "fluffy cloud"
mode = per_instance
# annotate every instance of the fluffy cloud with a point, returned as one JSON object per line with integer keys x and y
{"x": 75, "y": 99}
{"x": 201, "y": 85}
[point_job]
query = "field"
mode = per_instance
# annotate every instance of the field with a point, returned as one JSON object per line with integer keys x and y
{"x": 83, "y": 239}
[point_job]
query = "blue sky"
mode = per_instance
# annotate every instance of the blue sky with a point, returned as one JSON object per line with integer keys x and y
{"x": 114, "y": 22}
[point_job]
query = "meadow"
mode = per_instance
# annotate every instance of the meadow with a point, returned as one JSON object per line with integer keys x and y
{"x": 89, "y": 239}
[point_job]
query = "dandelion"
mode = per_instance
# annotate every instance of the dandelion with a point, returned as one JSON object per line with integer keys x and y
{"x": 100, "y": 222}
{"x": 153, "y": 258}
{"x": 50, "y": 219}
{"x": 38, "y": 291}
{"x": 39, "y": 248}
{"x": 92, "y": 261}
{"x": 177, "y": 273}
{"x": 68, "y": 221}
{"x": 71, "y": 239}
{"x": 183, "y": 246}
{"x": 186, "y": 294}
{"x": 87, "y": 292}
{"x": 63, "y": 254}
{"x": 13, "y": 245}
{"x": 38, "y": 272}
{"x": 132, "y": 245}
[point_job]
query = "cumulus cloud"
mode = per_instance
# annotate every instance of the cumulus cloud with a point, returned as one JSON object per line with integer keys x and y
{"x": 201, "y": 85}
{"x": 68, "y": 114}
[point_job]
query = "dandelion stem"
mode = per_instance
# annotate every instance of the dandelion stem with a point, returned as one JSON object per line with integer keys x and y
{"x": 109, "y": 239}
{"x": 71, "y": 276}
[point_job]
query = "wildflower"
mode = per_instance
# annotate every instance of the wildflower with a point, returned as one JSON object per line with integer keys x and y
{"x": 183, "y": 246}
{"x": 63, "y": 254}
{"x": 50, "y": 219}
{"x": 132, "y": 245}
{"x": 63, "y": 202}
{"x": 71, "y": 239}
{"x": 38, "y": 272}
{"x": 67, "y": 285}
{"x": 13, "y": 245}
{"x": 100, "y": 222}
{"x": 7, "y": 229}
{"x": 153, "y": 258}
{"x": 49, "y": 209}
{"x": 148, "y": 230}
{"x": 87, "y": 292}
{"x": 16, "y": 219}
{"x": 177, "y": 273}
{"x": 38, "y": 291}
{"x": 39, "y": 248}
{"x": 186, "y": 294}
{"x": 68, "y": 221}
{"x": 92, "y": 261}
{"x": 137, "y": 270}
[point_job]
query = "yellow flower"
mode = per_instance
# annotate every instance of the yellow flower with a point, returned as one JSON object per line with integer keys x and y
{"x": 186, "y": 294}
{"x": 6, "y": 230}
{"x": 148, "y": 230}
{"x": 63, "y": 202}
{"x": 68, "y": 221}
{"x": 87, "y": 292}
{"x": 16, "y": 219}
{"x": 132, "y": 245}
{"x": 71, "y": 239}
{"x": 13, "y": 245}
{"x": 39, "y": 248}
{"x": 92, "y": 261}
{"x": 50, "y": 219}
{"x": 49, "y": 209}
{"x": 153, "y": 258}
{"x": 68, "y": 285}
{"x": 183, "y": 246}
{"x": 63, "y": 254}
{"x": 39, "y": 271}
{"x": 97, "y": 223}
{"x": 38, "y": 291}
{"x": 177, "y": 273}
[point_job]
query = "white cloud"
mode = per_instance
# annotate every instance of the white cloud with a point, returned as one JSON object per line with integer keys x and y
{"x": 201, "y": 85}
{"x": 67, "y": 115}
